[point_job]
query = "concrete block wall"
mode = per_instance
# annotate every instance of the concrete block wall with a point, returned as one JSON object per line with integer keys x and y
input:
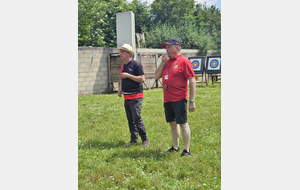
{"x": 93, "y": 69}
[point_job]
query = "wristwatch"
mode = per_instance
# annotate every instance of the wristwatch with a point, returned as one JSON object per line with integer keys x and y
{"x": 192, "y": 101}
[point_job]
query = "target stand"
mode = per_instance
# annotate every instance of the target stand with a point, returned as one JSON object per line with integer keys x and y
{"x": 198, "y": 67}
{"x": 213, "y": 68}
{"x": 156, "y": 84}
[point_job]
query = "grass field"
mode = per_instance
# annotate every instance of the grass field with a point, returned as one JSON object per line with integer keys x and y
{"x": 104, "y": 162}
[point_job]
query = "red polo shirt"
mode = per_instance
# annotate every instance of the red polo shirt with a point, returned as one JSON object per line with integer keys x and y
{"x": 178, "y": 70}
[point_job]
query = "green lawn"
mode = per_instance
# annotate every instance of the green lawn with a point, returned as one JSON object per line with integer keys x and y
{"x": 104, "y": 162}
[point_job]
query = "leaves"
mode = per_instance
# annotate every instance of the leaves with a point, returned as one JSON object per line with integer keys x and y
{"x": 195, "y": 25}
{"x": 97, "y": 22}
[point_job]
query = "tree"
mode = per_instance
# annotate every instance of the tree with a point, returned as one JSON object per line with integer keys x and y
{"x": 195, "y": 25}
{"x": 84, "y": 21}
{"x": 172, "y": 11}
{"x": 209, "y": 18}
{"x": 198, "y": 27}
{"x": 142, "y": 15}
{"x": 97, "y": 22}
{"x": 190, "y": 35}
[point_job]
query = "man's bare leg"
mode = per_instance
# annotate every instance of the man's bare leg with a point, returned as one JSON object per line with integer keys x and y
{"x": 186, "y": 135}
{"x": 175, "y": 134}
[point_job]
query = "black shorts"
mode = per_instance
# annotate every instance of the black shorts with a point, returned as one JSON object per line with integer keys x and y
{"x": 176, "y": 111}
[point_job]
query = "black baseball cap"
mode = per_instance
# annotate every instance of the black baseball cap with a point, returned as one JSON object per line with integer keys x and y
{"x": 172, "y": 41}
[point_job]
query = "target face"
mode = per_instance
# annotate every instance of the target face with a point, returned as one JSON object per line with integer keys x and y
{"x": 197, "y": 64}
{"x": 213, "y": 64}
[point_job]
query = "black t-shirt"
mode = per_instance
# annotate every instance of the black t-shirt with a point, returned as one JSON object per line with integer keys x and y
{"x": 130, "y": 86}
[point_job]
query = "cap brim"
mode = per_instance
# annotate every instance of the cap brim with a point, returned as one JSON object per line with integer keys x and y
{"x": 166, "y": 43}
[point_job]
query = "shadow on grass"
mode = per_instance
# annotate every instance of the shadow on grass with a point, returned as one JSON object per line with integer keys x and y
{"x": 146, "y": 153}
{"x": 134, "y": 151}
{"x": 97, "y": 144}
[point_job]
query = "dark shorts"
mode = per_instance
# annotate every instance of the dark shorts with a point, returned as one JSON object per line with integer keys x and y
{"x": 176, "y": 111}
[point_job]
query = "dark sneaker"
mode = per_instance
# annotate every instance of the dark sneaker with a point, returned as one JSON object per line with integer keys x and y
{"x": 173, "y": 149}
{"x": 145, "y": 143}
{"x": 186, "y": 153}
{"x": 130, "y": 143}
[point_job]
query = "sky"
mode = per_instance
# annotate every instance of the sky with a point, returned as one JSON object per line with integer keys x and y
{"x": 208, "y": 2}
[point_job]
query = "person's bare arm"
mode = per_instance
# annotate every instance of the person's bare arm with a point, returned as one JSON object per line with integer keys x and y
{"x": 192, "y": 84}
{"x": 120, "y": 89}
{"x": 140, "y": 78}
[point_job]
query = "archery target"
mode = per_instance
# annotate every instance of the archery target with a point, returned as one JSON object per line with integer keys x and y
{"x": 213, "y": 64}
{"x": 197, "y": 64}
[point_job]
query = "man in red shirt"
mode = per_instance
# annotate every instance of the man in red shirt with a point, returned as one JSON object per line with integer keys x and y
{"x": 176, "y": 71}
{"x": 132, "y": 77}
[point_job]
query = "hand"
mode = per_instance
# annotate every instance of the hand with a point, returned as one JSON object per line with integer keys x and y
{"x": 164, "y": 58}
{"x": 125, "y": 75}
{"x": 120, "y": 93}
{"x": 192, "y": 106}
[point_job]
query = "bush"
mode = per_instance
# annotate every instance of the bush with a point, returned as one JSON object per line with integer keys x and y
{"x": 190, "y": 35}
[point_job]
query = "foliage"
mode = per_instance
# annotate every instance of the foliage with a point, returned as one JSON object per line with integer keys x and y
{"x": 196, "y": 25}
{"x": 102, "y": 21}
{"x": 172, "y": 11}
{"x": 104, "y": 162}
{"x": 191, "y": 36}
{"x": 84, "y": 22}
{"x": 209, "y": 19}
{"x": 97, "y": 20}
{"x": 200, "y": 30}
{"x": 141, "y": 13}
